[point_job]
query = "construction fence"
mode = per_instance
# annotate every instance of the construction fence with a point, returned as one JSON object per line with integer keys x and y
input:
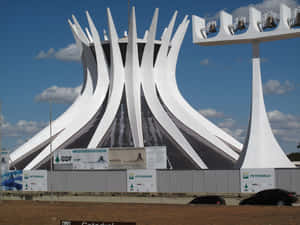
{"x": 166, "y": 181}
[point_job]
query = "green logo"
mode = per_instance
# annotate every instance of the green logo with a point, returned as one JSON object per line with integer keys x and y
{"x": 57, "y": 159}
{"x": 245, "y": 176}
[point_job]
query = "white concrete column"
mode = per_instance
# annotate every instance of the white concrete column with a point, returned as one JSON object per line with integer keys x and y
{"x": 261, "y": 150}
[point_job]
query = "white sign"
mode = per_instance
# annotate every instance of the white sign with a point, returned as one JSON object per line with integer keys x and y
{"x": 90, "y": 158}
{"x": 35, "y": 180}
{"x": 82, "y": 159}
{"x": 156, "y": 157}
{"x": 141, "y": 181}
{"x": 111, "y": 158}
{"x": 255, "y": 180}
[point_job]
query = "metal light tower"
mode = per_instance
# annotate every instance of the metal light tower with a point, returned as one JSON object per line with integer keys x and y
{"x": 261, "y": 149}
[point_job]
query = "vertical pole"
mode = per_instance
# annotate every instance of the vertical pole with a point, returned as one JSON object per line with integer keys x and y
{"x": 128, "y": 10}
{"x": 128, "y": 13}
{"x": 255, "y": 50}
{"x": 51, "y": 157}
{"x": 50, "y": 125}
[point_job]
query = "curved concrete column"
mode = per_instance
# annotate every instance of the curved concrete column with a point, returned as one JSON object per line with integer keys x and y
{"x": 261, "y": 150}
{"x": 116, "y": 86}
{"x": 168, "y": 90}
{"x": 92, "y": 99}
{"x": 60, "y": 123}
{"x": 133, "y": 84}
{"x": 162, "y": 117}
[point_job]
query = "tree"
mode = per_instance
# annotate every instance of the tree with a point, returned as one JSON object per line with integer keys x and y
{"x": 294, "y": 156}
{"x": 298, "y": 145}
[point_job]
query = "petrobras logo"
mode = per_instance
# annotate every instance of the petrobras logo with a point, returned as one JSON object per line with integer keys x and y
{"x": 245, "y": 175}
{"x": 131, "y": 176}
{"x": 26, "y": 176}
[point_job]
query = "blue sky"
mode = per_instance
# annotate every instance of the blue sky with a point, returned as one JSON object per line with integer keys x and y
{"x": 39, "y": 62}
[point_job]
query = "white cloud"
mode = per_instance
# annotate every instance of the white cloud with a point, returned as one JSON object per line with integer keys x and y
{"x": 276, "y": 88}
{"x": 227, "y": 123}
{"x": 20, "y": 141}
{"x": 287, "y": 126}
{"x": 266, "y": 6}
{"x": 287, "y": 135}
{"x": 277, "y": 116}
{"x": 56, "y": 94}
{"x": 69, "y": 53}
{"x": 21, "y": 128}
{"x": 21, "y": 131}
{"x": 230, "y": 126}
{"x": 204, "y": 62}
{"x": 43, "y": 54}
{"x": 211, "y": 113}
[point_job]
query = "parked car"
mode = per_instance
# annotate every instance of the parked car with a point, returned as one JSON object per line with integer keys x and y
{"x": 271, "y": 197}
{"x": 208, "y": 199}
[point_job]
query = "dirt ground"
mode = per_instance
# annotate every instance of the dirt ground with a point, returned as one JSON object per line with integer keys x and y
{"x": 50, "y": 213}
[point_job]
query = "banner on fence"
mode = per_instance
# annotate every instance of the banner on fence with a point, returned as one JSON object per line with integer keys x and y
{"x": 11, "y": 180}
{"x": 141, "y": 181}
{"x": 255, "y": 180}
{"x": 35, "y": 180}
{"x": 127, "y": 158}
{"x": 81, "y": 159}
{"x": 90, "y": 158}
{"x": 111, "y": 158}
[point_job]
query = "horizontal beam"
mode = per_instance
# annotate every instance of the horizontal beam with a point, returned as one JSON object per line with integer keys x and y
{"x": 254, "y": 33}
